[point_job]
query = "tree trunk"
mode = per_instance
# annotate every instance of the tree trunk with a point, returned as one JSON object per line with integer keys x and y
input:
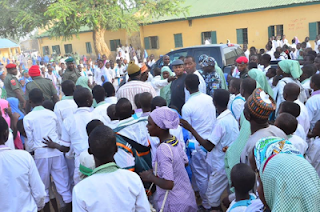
{"x": 99, "y": 43}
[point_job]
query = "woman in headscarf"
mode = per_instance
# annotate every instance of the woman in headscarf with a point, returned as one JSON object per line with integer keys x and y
{"x": 14, "y": 104}
{"x": 261, "y": 80}
{"x": 174, "y": 191}
{"x": 84, "y": 82}
{"x": 165, "y": 92}
{"x": 14, "y": 140}
{"x": 287, "y": 181}
{"x": 290, "y": 72}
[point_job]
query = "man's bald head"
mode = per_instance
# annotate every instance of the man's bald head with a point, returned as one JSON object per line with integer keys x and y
{"x": 291, "y": 92}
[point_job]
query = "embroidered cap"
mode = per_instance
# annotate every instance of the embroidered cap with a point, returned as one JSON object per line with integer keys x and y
{"x": 261, "y": 104}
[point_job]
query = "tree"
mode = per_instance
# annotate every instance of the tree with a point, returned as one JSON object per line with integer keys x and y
{"x": 64, "y": 18}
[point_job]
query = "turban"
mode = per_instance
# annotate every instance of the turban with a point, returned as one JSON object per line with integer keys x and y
{"x": 34, "y": 71}
{"x": 165, "y": 118}
{"x": 242, "y": 60}
{"x": 261, "y": 104}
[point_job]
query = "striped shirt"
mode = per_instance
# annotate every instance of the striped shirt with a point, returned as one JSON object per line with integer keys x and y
{"x": 131, "y": 88}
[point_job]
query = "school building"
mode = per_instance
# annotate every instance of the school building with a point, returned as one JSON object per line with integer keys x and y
{"x": 8, "y": 48}
{"x": 251, "y": 22}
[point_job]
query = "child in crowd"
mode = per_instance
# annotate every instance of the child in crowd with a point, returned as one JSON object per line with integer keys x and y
{"x": 293, "y": 109}
{"x": 313, "y": 103}
{"x": 110, "y": 93}
{"x": 291, "y": 93}
{"x": 91, "y": 194}
{"x": 200, "y": 112}
{"x": 174, "y": 191}
{"x": 111, "y": 111}
{"x": 87, "y": 164}
{"x": 288, "y": 124}
{"x": 67, "y": 105}
{"x": 237, "y": 104}
{"x": 138, "y": 111}
{"x": 49, "y": 161}
{"x": 21, "y": 186}
{"x": 48, "y": 104}
{"x": 225, "y": 131}
{"x": 307, "y": 72}
{"x": 100, "y": 112}
{"x": 74, "y": 127}
{"x": 243, "y": 179}
{"x": 270, "y": 74}
{"x": 313, "y": 153}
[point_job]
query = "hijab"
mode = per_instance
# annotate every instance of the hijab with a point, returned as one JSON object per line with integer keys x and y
{"x": 83, "y": 82}
{"x": 260, "y": 77}
{"x": 4, "y": 105}
{"x": 14, "y": 104}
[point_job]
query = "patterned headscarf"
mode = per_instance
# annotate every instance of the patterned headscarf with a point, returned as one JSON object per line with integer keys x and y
{"x": 165, "y": 118}
{"x": 290, "y": 183}
{"x": 207, "y": 61}
{"x": 269, "y": 146}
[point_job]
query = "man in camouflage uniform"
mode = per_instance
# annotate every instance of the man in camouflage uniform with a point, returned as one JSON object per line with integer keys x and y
{"x": 71, "y": 73}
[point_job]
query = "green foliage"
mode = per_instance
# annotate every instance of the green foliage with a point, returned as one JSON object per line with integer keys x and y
{"x": 67, "y": 17}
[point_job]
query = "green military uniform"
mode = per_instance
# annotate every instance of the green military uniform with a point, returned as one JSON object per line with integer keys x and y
{"x": 11, "y": 83}
{"x": 71, "y": 75}
{"x": 45, "y": 85}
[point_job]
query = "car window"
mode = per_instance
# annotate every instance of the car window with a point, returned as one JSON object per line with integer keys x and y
{"x": 175, "y": 55}
{"x": 231, "y": 54}
{"x": 211, "y": 52}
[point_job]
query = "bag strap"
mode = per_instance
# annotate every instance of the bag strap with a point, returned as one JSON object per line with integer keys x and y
{"x": 167, "y": 192}
{"x": 134, "y": 144}
{"x": 38, "y": 85}
{"x": 238, "y": 97}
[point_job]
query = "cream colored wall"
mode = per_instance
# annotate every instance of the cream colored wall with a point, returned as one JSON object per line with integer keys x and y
{"x": 78, "y": 43}
{"x": 295, "y": 21}
{"x": 7, "y": 53}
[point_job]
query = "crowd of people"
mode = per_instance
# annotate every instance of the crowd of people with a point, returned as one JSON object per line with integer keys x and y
{"x": 78, "y": 135}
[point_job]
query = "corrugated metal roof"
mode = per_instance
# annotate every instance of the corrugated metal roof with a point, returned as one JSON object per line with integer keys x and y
{"x": 82, "y": 29}
{"x": 6, "y": 43}
{"x": 203, "y": 8}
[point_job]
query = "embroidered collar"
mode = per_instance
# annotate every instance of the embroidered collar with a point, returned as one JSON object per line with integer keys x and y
{"x": 172, "y": 141}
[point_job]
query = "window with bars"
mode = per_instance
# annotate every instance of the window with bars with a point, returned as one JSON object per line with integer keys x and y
{"x": 276, "y": 30}
{"x": 45, "y": 50}
{"x": 209, "y": 37}
{"x": 68, "y": 48}
{"x": 114, "y": 44}
{"x": 314, "y": 30}
{"x": 56, "y": 49}
{"x": 242, "y": 36}
{"x": 88, "y": 47}
{"x": 151, "y": 42}
{"x": 178, "y": 40}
